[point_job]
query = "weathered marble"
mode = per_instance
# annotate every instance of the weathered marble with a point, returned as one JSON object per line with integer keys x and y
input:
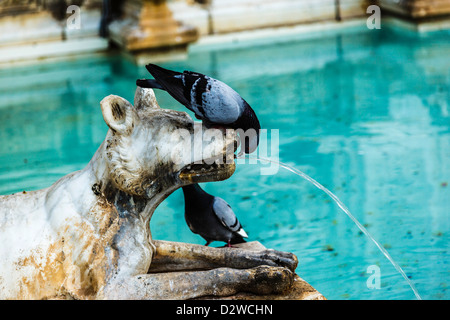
{"x": 200, "y": 257}
{"x": 30, "y": 32}
{"x": 88, "y": 235}
{"x": 417, "y": 9}
{"x": 148, "y": 25}
{"x": 300, "y": 289}
{"x": 237, "y": 15}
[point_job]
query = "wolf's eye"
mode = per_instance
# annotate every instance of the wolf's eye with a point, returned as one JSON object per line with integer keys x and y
{"x": 190, "y": 126}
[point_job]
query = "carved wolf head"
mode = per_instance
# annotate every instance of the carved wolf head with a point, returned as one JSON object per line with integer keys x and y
{"x": 149, "y": 149}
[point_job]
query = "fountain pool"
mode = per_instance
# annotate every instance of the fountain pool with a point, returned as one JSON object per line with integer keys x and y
{"x": 363, "y": 112}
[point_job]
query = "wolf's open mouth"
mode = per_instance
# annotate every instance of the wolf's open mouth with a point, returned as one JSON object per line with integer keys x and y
{"x": 213, "y": 169}
{"x": 216, "y": 168}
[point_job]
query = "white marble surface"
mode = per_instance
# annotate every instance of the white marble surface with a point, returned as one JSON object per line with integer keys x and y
{"x": 89, "y": 231}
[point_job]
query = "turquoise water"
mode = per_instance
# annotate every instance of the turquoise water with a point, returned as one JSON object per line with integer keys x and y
{"x": 365, "y": 113}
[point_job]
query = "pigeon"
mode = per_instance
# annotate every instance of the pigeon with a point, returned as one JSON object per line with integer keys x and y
{"x": 212, "y": 101}
{"x": 211, "y": 217}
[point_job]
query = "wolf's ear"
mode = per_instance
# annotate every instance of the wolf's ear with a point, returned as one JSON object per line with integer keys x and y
{"x": 145, "y": 99}
{"x": 118, "y": 113}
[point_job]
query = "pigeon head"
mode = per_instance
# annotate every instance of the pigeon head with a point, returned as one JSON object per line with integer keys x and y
{"x": 248, "y": 129}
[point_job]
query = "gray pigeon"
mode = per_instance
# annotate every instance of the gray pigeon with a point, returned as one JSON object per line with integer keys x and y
{"x": 211, "y": 217}
{"x": 212, "y": 101}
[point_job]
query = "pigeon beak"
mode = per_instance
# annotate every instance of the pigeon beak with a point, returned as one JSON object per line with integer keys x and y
{"x": 242, "y": 233}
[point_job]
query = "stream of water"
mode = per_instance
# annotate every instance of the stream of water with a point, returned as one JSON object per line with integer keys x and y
{"x": 347, "y": 212}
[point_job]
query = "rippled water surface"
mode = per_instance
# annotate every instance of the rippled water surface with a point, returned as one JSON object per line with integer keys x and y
{"x": 365, "y": 113}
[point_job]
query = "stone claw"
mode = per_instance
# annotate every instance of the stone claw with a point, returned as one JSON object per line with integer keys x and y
{"x": 280, "y": 258}
{"x": 269, "y": 280}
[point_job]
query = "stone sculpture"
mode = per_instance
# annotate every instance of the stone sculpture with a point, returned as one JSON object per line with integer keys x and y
{"x": 88, "y": 236}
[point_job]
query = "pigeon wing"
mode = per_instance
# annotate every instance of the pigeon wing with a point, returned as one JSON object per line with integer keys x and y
{"x": 222, "y": 104}
{"x": 212, "y": 99}
{"x": 196, "y": 85}
{"x": 225, "y": 214}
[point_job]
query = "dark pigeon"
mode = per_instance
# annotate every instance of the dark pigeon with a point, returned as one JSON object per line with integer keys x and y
{"x": 211, "y": 217}
{"x": 212, "y": 101}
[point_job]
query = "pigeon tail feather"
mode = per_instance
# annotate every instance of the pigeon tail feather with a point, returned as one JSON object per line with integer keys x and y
{"x": 171, "y": 81}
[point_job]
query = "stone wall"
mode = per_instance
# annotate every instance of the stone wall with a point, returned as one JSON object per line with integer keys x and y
{"x": 32, "y": 29}
{"x": 224, "y": 16}
{"x": 37, "y": 29}
{"x": 417, "y": 9}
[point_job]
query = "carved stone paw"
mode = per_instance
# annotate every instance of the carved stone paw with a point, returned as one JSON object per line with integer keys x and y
{"x": 279, "y": 258}
{"x": 252, "y": 254}
{"x": 268, "y": 280}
